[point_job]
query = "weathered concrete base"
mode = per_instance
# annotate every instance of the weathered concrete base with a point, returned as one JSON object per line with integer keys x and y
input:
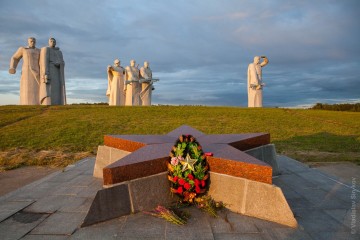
{"x": 251, "y": 198}
{"x": 130, "y": 197}
{"x": 148, "y": 192}
{"x": 106, "y": 156}
{"x": 266, "y": 153}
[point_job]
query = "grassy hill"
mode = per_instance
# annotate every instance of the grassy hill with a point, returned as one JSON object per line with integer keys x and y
{"x": 60, "y": 135}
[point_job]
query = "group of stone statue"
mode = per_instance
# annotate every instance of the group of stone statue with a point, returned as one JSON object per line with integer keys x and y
{"x": 129, "y": 86}
{"x": 43, "y": 82}
{"x": 42, "y": 75}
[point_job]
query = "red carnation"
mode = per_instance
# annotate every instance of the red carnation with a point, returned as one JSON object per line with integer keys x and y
{"x": 203, "y": 183}
{"x": 197, "y": 189}
{"x": 180, "y": 190}
{"x": 191, "y": 177}
{"x": 187, "y": 186}
{"x": 181, "y": 181}
{"x": 175, "y": 178}
{"x": 197, "y": 182}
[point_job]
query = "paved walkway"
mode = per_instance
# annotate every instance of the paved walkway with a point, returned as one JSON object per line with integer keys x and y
{"x": 55, "y": 206}
{"x": 16, "y": 178}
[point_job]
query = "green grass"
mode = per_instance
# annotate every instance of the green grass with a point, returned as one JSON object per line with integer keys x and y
{"x": 59, "y": 135}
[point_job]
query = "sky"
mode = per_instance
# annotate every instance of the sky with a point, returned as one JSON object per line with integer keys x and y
{"x": 200, "y": 50}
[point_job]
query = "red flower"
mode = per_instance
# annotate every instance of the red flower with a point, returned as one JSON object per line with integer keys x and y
{"x": 181, "y": 181}
{"x": 197, "y": 189}
{"x": 180, "y": 190}
{"x": 175, "y": 178}
{"x": 202, "y": 183}
{"x": 199, "y": 147}
{"x": 191, "y": 177}
{"x": 187, "y": 186}
{"x": 197, "y": 182}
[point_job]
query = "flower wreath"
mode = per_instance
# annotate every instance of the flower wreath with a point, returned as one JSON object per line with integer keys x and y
{"x": 187, "y": 169}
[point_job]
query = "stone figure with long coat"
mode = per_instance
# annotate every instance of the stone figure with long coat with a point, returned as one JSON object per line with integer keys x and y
{"x": 52, "y": 79}
{"x": 254, "y": 81}
{"x": 116, "y": 89}
{"x": 132, "y": 85}
{"x": 30, "y": 72}
{"x": 146, "y": 84}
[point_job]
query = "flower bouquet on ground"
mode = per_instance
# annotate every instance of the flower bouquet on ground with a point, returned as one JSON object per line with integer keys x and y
{"x": 172, "y": 215}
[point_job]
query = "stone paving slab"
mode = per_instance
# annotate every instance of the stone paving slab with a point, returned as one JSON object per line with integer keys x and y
{"x": 19, "y": 177}
{"x": 344, "y": 171}
{"x": 32, "y": 191}
{"x": 334, "y": 235}
{"x": 52, "y": 203}
{"x": 229, "y": 222}
{"x": 45, "y": 237}
{"x": 142, "y": 226}
{"x": 8, "y": 208}
{"x": 20, "y": 224}
{"x": 285, "y": 233}
{"x": 79, "y": 204}
{"x": 321, "y": 204}
{"x": 344, "y": 216}
{"x": 107, "y": 230}
{"x": 59, "y": 224}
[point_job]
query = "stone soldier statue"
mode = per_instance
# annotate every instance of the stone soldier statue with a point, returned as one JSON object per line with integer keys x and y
{"x": 116, "y": 90}
{"x": 146, "y": 84}
{"x": 132, "y": 85}
{"x": 29, "y": 81}
{"x": 52, "y": 79}
{"x": 254, "y": 83}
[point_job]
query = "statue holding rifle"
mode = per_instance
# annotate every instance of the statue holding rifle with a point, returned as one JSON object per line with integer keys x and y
{"x": 146, "y": 81}
{"x": 132, "y": 85}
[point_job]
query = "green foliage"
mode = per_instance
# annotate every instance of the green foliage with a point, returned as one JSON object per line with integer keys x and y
{"x": 180, "y": 149}
{"x": 338, "y": 107}
{"x": 178, "y": 170}
{"x": 199, "y": 172}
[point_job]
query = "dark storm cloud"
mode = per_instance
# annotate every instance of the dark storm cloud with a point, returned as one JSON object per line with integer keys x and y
{"x": 199, "y": 50}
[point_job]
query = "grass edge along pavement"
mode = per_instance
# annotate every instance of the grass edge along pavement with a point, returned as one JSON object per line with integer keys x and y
{"x": 61, "y": 135}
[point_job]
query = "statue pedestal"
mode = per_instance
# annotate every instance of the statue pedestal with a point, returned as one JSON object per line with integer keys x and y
{"x": 135, "y": 175}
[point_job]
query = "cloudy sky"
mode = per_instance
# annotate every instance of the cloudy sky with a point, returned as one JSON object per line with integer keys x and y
{"x": 200, "y": 50}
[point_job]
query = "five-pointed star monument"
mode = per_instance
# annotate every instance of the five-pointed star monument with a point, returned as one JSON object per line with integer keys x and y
{"x": 150, "y": 153}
